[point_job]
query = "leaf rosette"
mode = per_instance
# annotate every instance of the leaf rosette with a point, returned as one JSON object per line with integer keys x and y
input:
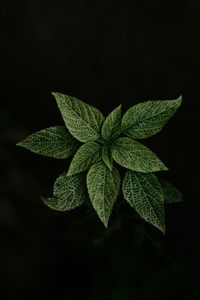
{"x": 97, "y": 144}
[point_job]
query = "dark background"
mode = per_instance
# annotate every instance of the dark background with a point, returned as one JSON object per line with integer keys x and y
{"x": 104, "y": 53}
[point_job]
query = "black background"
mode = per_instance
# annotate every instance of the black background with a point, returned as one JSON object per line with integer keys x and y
{"x": 104, "y": 53}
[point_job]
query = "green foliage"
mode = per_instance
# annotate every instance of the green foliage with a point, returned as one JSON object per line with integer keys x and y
{"x": 102, "y": 145}
{"x": 144, "y": 193}
{"x": 147, "y": 118}
{"x": 54, "y": 142}
{"x": 87, "y": 155}
{"x": 107, "y": 156}
{"x": 103, "y": 188}
{"x": 82, "y": 120}
{"x": 133, "y": 155}
{"x": 69, "y": 192}
{"x": 111, "y": 128}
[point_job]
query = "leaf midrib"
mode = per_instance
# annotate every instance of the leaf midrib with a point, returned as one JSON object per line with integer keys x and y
{"x": 145, "y": 119}
{"x": 148, "y": 196}
{"x": 89, "y": 158}
{"x": 79, "y": 117}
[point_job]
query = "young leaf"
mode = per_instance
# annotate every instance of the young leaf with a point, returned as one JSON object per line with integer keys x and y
{"x": 144, "y": 193}
{"x": 171, "y": 193}
{"x": 86, "y": 156}
{"x": 111, "y": 128}
{"x": 69, "y": 192}
{"x": 83, "y": 120}
{"x": 54, "y": 142}
{"x": 107, "y": 157}
{"x": 135, "y": 156}
{"x": 148, "y": 118}
{"x": 103, "y": 187}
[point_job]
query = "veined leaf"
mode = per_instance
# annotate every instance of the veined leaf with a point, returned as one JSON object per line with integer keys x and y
{"x": 107, "y": 156}
{"x": 171, "y": 193}
{"x": 69, "y": 192}
{"x": 86, "y": 156}
{"x": 82, "y": 120}
{"x": 148, "y": 118}
{"x": 52, "y": 202}
{"x": 103, "y": 187}
{"x": 111, "y": 128}
{"x": 144, "y": 193}
{"x": 54, "y": 142}
{"x": 135, "y": 156}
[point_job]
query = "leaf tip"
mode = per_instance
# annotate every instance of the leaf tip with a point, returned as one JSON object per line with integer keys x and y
{"x": 69, "y": 173}
{"x": 103, "y": 219}
{"x": 166, "y": 169}
{"x": 51, "y": 202}
{"x": 56, "y": 95}
{"x": 110, "y": 167}
{"x": 179, "y": 100}
{"x": 163, "y": 229}
{"x": 105, "y": 224}
{"x": 21, "y": 144}
{"x": 45, "y": 201}
{"x": 162, "y": 226}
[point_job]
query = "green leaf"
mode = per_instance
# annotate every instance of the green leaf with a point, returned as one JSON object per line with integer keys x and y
{"x": 83, "y": 120}
{"x": 103, "y": 187}
{"x": 52, "y": 202}
{"x": 111, "y": 128}
{"x": 148, "y": 118}
{"x": 144, "y": 193}
{"x": 135, "y": 156}
{"x": 171, "y": 193}
{"x": 69, "y": 192}
{"x": 54, "y": 142}
{"x": 86, "y": 156}
{"x": 107, "y": 156}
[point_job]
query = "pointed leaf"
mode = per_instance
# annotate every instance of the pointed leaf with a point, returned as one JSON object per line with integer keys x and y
{"x": 135, "y": 156}
{"x": 171, "y": 193}
{"x": 107, "y": 156}
{"x": 69, "y": 192}
{"x": 86, "y": 156}
{"x": 148, "y": 118}
{"x": 54, "y": 142}
{"x": 111, "y": 128}
{"x": 83, "y": 120}
{"x": 103, "y": 187}
{"x": 52, "y": 202}
{"x": 144, "y": 193}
